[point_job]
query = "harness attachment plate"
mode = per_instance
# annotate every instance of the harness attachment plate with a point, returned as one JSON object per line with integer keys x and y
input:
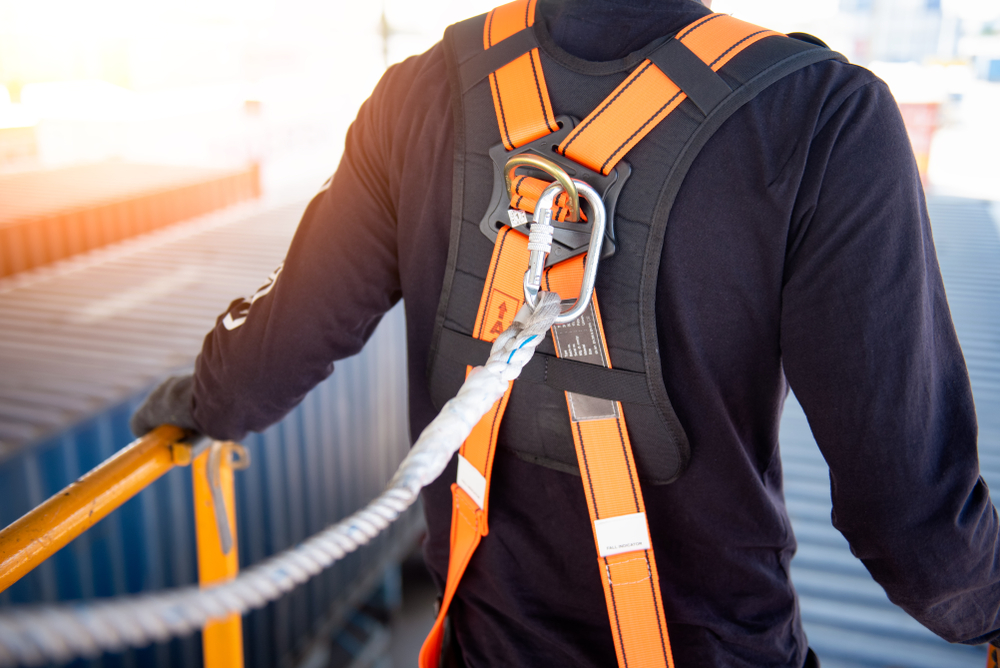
{"x": 569, "y": 239}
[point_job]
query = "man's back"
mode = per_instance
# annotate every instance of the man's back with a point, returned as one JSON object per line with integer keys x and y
{"x": 798, "y": 248}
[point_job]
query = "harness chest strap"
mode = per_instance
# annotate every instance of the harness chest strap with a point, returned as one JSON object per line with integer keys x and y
{"x": 614, "y": 498}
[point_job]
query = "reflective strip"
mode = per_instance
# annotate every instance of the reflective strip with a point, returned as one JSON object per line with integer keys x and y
{"x": 471, "y": 480}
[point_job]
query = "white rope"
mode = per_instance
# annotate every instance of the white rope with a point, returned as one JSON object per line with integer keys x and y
{"x": 58, "y": 633}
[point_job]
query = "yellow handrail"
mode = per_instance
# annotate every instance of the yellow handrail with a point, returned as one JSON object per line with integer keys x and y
{"x": 42, "y": 531}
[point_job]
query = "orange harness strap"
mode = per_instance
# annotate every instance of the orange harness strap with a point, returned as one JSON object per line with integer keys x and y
{"x": 627, "y": 567}
{"x": 520, "y": 96}
{"x": 525, "y": 192}
{"x": 614, "y": 499}
{"x": 647, "y": 96}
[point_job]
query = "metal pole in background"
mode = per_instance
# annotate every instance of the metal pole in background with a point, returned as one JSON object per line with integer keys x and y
{"x": 218, "y": 557}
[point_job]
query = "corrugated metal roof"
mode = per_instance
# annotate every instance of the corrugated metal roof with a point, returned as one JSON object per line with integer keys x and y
{"x": 81, "y": 335}
{"x": 847, "y": 616}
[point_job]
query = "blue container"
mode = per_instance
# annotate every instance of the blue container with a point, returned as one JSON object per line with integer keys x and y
{"x": 81, "y": 344}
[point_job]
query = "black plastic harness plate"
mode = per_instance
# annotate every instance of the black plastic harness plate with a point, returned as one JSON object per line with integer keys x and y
{"x": 569, "y": 239}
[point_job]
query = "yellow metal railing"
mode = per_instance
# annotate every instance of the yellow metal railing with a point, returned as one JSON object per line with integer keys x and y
{"x": 47, "y": 528}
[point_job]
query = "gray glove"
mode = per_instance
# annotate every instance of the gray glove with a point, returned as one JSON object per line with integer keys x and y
{"x": 170, "y": 403}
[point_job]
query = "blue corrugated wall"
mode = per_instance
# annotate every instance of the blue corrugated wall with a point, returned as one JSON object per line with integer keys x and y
{"x": 325, "y": 460}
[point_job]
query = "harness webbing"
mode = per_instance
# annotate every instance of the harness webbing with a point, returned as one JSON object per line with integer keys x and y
{"x": 525, "y": 192}
{"x": 611, "y": 484}
{"x": 648, "y": 95}
{"x": 520, "y": 96}
{"x": 604, "y": 454}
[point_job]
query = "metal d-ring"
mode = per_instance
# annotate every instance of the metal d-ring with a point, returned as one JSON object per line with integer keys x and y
{"x": 550, "y": 168}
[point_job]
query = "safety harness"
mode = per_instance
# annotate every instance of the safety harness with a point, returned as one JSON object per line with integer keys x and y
{"x": 679, "y": 94}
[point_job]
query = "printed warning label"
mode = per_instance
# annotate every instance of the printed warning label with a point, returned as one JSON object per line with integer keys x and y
{"x": 580, "y": 340}
{"x": 625, "y": 533}
{"x": 500, "y": 312}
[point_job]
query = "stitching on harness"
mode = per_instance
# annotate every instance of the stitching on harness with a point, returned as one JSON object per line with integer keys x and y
{"x": 458, "y": 509}
{"x": 489, "y": 29}
{"x": 590, "y": 482}
{"x": 698, "y": 24}
{"x": 649, "y": 571}
{"x": 618, "y": 625}
{"x": 723, "y": 54}
{"x": 628, "y": 463}
{"x": 578, "y": 131}
{"x": 538, "y": 87}
{"x": 503, "y": 116}
{"x": 656, "y": 606}
{"x": 651, "y": 119}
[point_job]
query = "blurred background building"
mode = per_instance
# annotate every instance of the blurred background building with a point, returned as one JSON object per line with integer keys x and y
{"x": 159, "y": 153}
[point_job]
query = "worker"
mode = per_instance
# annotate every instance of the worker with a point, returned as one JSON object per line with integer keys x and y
{"x": 797, "y": 255}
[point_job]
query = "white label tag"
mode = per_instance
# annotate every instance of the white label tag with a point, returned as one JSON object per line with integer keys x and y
{"x": 626, "y": 533}
{"x": 472, "y": 481}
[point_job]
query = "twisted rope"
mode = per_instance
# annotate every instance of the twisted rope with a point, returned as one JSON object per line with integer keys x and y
{"x": 59, "y": 633}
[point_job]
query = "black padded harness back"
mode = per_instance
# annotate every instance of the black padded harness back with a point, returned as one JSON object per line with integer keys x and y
{"x": 536, "y": 426}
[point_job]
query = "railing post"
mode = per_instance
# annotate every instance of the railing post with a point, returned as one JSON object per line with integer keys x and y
{"x": 215, "y": 527}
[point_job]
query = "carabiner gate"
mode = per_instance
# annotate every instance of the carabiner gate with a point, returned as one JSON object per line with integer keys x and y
{"x": 540, "y": 243}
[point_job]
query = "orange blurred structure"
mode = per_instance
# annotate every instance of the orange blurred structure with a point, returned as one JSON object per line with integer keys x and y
{"x": 50, "y": 215}
{"x": 921, "y": 119}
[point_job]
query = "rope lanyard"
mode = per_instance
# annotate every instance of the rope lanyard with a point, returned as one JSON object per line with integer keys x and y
{"x": 604, "y": 454}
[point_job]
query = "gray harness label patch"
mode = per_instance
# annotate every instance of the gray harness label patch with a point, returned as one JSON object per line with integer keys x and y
{"x": 580, "y": 341}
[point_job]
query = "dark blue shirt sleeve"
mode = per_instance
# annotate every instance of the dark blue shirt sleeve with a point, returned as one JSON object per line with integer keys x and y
{"x": 870, "y": 351}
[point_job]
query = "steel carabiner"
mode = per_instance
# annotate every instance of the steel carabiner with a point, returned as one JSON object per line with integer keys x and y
{"x": 540, "y": 243}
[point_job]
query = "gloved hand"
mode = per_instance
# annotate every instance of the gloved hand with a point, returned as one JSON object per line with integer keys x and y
{"x": 170, "y": 403}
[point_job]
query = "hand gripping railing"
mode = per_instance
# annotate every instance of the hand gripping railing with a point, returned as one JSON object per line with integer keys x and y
{"x": 40, "y": 634}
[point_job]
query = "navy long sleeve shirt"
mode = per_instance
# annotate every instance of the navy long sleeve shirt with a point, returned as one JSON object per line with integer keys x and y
{"x": 798, "y": 254}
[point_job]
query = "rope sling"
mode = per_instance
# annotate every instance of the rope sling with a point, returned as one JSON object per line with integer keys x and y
{"x": 36, "y": 635}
